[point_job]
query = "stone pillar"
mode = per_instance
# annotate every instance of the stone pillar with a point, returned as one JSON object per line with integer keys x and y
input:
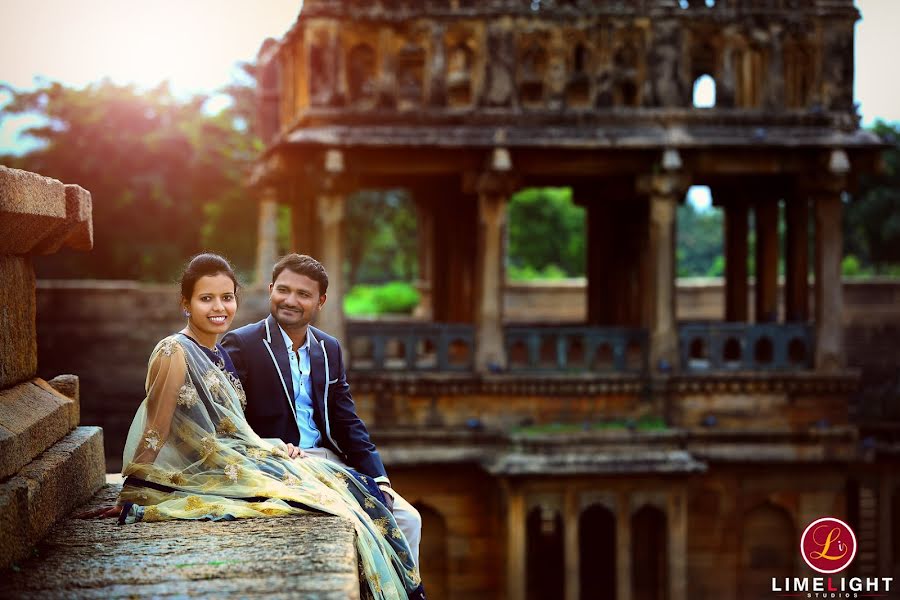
{"x": 623, "y": 548}
{"x": 736, "y": 228}
{"x": 515, "y": 543}
{"x": 796, "y": 255}
{"x": 331, "y": 223}
{"x": 664, "y": 191}
{"x": 829, "y": 295}
{"x": 305, "y": 232}
{"x": 267, "y": 235}
{"x": 571, "y": 541}
{"x": 493, "y": 195}
{"x": 425, "y": 239}
{"x": 677, "y": 553}
{"x": 48, "y": 464}
{"x": 766, "y": 292}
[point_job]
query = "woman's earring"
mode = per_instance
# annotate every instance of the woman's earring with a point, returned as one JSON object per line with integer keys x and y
{"x": 186, "y": 313}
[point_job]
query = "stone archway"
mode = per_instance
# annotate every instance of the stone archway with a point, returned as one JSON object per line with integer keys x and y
{"x": 649, "y": 554}
{"x": 769, "y": 548}
{"x": 433, "y": 552}
{"x": 597, "y": 552}
{"x": 544, "y": 552}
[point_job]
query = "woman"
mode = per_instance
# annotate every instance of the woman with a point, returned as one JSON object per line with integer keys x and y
{"x": 191, "y": 455}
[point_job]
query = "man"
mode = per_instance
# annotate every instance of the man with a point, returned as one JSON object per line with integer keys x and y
{"x": 297, "y": 391}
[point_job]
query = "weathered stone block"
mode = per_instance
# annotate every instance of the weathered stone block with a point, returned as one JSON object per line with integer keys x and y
{"x": 35, "y": 417}
{"x": 18, "y": 335}
{"x": 77, "y": 231}
{"x": 70, "y": 387}
{"x": 32, "y": 207}
{"x": 13, "y": 521}
{"x": 65, "y": 476}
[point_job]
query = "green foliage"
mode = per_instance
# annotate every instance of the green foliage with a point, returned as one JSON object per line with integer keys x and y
{"x": 396, "y": 297}
{"x": 546, "y": 234}
{"x": 380, "y": 237}
{"x": 529, "y": 273}
{"x": 700, "y": 242}
{"x": 872, "y": 214}
{"x": 166, "y": 180}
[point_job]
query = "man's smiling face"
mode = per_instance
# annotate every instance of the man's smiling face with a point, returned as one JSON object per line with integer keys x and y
{"x": 294, "y": 300}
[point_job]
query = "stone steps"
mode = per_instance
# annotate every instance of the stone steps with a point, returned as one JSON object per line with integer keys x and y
{"x": 308, "y": 556}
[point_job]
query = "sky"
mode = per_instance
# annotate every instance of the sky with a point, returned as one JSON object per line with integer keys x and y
{"x": 196, "y": 43}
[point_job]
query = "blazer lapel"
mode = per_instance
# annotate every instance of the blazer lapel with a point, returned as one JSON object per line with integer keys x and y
{"x": 317, "y": 371}
{"x": 275, "y": 341}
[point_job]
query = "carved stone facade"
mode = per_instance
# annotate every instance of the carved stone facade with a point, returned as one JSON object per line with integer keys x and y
{"x": 462, "y": 102}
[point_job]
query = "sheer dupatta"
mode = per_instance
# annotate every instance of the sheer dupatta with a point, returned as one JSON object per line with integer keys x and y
{"x": 190, "y": 454}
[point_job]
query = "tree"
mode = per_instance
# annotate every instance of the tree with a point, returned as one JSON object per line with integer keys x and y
{"x": 546, "y": 232}
{"x": 166, "y": 179}
{"x": 872, "y": 214}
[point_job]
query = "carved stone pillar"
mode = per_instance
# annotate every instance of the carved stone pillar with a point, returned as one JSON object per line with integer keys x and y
{"x": 267, "y": 235}
{"x": 766, "y": 292}
{"x": 736, "y": 228}
{"x": 664, "y": 193}
{"x": 623, "y": 548}
{"x": 515, "y": 543}
{"x": 425, "y": 240}
{"x": 571, "y": 541}
{"x": 331, "y": 208}
{"x": 493, "y": 191}
{"x": 305, "y": 232}
{"x": 796, "y": 284}
{"x": 829, "y": 295}
{"x": 677, "y": 553}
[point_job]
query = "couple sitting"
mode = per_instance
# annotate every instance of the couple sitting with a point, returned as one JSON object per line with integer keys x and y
{"x": 195, "y": 450}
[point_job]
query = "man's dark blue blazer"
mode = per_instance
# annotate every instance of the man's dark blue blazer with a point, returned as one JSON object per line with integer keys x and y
{"x": 261, "y": 360}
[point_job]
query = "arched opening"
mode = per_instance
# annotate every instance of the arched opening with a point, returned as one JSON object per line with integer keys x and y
{"x": 544, "y": 551}
{"x": 433, "y": 552}
{"x": 649, "y": 552}
{"x": 768, "y": 549}
{"x": 704, "y": 92}
{"x": 597, "y": 552}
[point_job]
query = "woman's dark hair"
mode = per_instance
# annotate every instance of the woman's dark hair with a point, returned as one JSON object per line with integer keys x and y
{"x": 302, "y": 265}
{"x": 201, "y": 266}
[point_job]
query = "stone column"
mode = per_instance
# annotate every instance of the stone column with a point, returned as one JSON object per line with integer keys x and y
{"x": 796, "y": 255}
{"x": 623, "y": 548}
{"x": 493, "y": 195}
{"x": 736, "y": 228}
{"x": 331, "y": 222}
{"x": 571, "y": 540}
{"x": 678, "y": 543}
{"x": 267, "y": 235}
{"x": 515, "y": 543}
{"x": 664, "y": 191}
{"x": 425, "y": 240}
{"x": 766, "y": 292}
{"x": 829, "y": 295}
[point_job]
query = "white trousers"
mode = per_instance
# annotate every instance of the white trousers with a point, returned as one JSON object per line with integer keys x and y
{"x": 408, "y": 519}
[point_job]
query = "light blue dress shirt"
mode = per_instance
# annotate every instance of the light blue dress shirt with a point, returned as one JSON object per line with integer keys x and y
{"x": 300, "y": 369}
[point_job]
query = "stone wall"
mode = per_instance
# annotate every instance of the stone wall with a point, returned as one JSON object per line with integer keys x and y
{"x": 48, "y": 464}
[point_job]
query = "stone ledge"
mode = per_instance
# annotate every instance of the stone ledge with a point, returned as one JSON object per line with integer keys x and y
{"x": 18, "y": 332}
{"x": 32, "y": 207}
{"x": 46, "y": 489}
{"x": 33, "y": 417}
{"x": 309, "y": 556}
{"x": 77, "y": 231}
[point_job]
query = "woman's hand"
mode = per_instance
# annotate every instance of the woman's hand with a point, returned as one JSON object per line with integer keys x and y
{"x": 104, "y": 512}
{"x": 294, "y": 452}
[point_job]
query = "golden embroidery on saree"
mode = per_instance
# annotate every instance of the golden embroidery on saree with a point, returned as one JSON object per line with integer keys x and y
{"x": 187, "y": 395}
{"x": 226, "y": 427}
{"x": 152, "y": 440}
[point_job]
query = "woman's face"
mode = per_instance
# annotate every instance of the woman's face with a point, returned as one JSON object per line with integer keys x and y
{"x": 212, "y": 305}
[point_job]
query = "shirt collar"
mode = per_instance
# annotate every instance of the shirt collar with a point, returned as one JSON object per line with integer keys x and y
{"x": 290, "y": 344}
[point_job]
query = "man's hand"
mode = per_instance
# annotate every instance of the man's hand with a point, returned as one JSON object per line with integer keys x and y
{"x": 293, "y": 451}
{"x": 388, "y": 495}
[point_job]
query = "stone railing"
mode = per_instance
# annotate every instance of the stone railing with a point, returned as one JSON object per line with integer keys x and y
{"x": 745, "y": 346}
{"x": 410, "y": 346}
{"x": 596, "y": 349}
{"x": 48, "y": 465}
